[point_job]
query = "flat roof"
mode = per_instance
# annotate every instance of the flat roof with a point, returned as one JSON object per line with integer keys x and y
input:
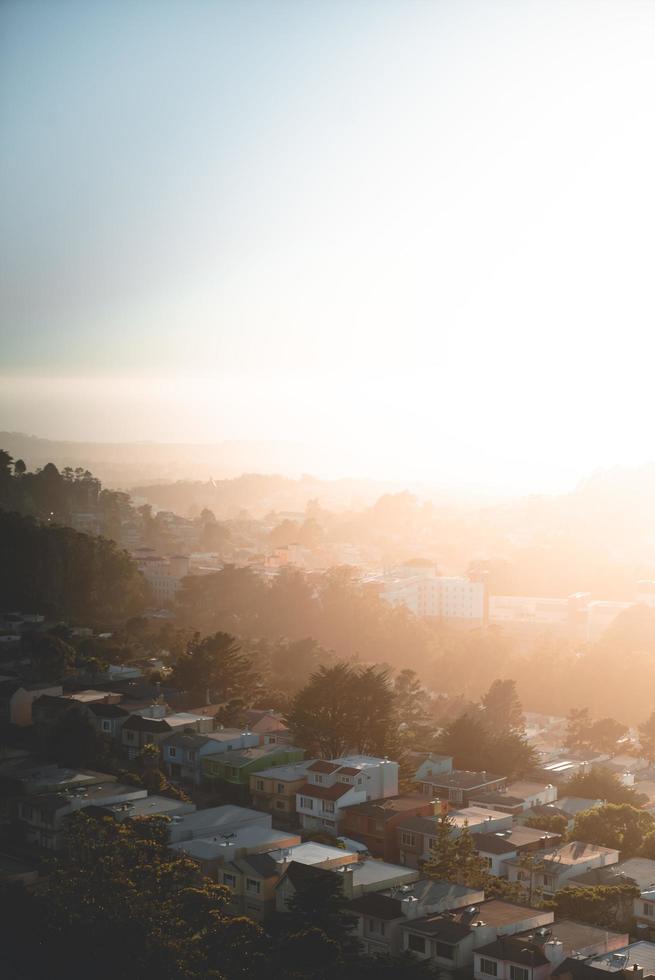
{"x": 288, "y": 773}
{"x": 206, "y": 848}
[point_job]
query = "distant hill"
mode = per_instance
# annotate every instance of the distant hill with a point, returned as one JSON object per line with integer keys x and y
{"x": 275, "y": 469}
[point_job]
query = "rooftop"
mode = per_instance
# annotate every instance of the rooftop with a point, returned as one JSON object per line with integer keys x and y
{"x": 324, "y": 792}
{"x": 390, "y": 806}
{"x": 217, "y": 846}
{"x": 462, "y": 779}
{"x": 507, "y": 841}
{"x": 568, "y": 855}
{"x": 286, "y": 774}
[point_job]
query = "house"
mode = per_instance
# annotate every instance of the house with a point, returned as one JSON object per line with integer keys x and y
{"x": 459, "y": 787}
{"x": 229, "y": 773}
{"x": 275, "y": 789}
{"x": 17, "y": 699}
{"x": 183, "y": 752}
{"x": 503, "y": 845}
{"x": 380, "y": 915}
{"x": 433, "y": 765}
{"x": 252, "y": 880}
{"x": 108, "y": 719}
{"x": 558, "y": 867}
{"x": 643, "y": 910}
{"x": 517, "y": 796}
{"x": 635, "y": 960}
{"x": 41, "y": 819}
{"x": 375, "y": 823}
{"x": 269, "y": 726}
{"x": 145, "y": 729}
{"x": 449, "y": 941}
{"x": 416, "y": 835}
{"x": 147, "y": 806}
{"x": 638, "y": 871}
{"x": 358, "y": 877}
{"x": 338, "y": 783}
{"x": 211, "y": 853}
{"x": 214, "y": 821}
{"x": 535, "y": 955}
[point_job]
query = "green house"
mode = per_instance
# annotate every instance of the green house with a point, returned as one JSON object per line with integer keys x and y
{"x": 230, "y": 772}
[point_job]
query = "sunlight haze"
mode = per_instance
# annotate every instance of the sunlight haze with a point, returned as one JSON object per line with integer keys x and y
{"x": 417, "y": 237}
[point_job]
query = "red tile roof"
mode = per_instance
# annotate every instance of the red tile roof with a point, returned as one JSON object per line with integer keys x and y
{"x": 321, "y": 766}
{"x": 324, "y": 792}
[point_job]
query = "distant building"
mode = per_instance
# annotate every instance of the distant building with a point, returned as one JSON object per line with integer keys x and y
{"x": 428, "y": 594}
{"x": 163, "y": 575}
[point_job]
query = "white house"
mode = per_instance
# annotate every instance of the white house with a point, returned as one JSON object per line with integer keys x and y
{"x": 333, "y": 785}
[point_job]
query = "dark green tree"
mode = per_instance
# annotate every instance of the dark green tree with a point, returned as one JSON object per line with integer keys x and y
{"x": 214, "y": 667}
{"x": 620, "y": 826}
{"x": 502, "y": 711}
{"x": 345, "y": 708}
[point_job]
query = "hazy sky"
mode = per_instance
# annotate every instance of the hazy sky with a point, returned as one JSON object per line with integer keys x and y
{"x": 420, "y": 234}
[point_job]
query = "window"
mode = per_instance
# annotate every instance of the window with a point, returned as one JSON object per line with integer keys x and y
{"x": 549, "y": 881}
{"x": 518, "y": 972}
{"x": 172, "y": 751}
{"x": 416, "y": 943}
{"x": 407, "y": 838}
{"x": 280, "y": 787}
{"x": 376, "y": 927}
{"x": 252, "y": 886}
{"x": 229, "y": 880}
{"x": 280, "y": 805}
{"x": 490, "y": 967}
{"x": 649, "y": 909}
{"x": 447, "y": 952}
{"x": 318, "y": 779}
{"x": 192, "y": 755}
{"x": 106, "y": 725}
{"x": 259, "y": 784}
{"x": 328, "y": 806}
{"x": 307, "y": 803}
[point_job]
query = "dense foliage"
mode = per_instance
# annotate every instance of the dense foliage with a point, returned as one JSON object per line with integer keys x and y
{"x": 64, "y": 574}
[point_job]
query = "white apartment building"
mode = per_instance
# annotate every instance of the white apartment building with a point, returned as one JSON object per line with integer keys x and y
{"x": 428, "y": 594}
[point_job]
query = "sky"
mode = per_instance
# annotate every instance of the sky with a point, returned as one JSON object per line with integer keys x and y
{"x": 416, "y": 235}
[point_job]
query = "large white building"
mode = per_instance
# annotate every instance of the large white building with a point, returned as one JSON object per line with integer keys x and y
{"x": 429, "y": 594}
{"x": 163, "y": 575}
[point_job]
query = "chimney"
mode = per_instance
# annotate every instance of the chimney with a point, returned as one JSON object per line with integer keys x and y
{"x": 410, "y": 906}
{"x": 346, "y": 873}
{"x": 554, "y": 951}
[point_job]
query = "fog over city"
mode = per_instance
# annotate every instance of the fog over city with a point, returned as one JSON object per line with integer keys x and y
{"x": 327, "y": 537}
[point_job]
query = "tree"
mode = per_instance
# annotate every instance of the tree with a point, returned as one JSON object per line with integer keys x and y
{"x": 318, "y": 902}
{"x": 555, "y": 823}
{"x": 50, "y": 656}
{"x": 345, "y": 708}
{"x": 410, "y": 695}
{"x": 619, "y": 826}
{"x": 647, "y": 737}
{"x": 578, "y": 730}
{"x": 215, "y": 668}
{"x": 601, "y": 784}
{"x": 65, "y": 574}
{"x": 606, "y": 906}
{"x": 605, "y": 734}
{"x": 502, "y": 709}
{"x": 75, "y": 743}
{"x": 474, "y": 748}
{"x": 132, "y": 908}
{"x": 20, "y": 468}
{"x": 442, "y": 862}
